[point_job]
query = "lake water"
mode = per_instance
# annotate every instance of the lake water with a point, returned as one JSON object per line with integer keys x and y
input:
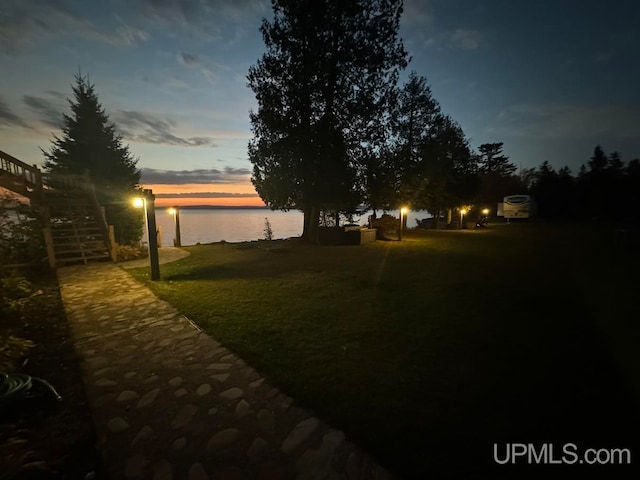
{"x": 240, "y": 225}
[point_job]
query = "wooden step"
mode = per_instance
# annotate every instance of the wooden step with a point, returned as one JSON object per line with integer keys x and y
{"x": 78, "y": 249}
{"x": 74, "y": 260}
{"x": 81, "y": 230}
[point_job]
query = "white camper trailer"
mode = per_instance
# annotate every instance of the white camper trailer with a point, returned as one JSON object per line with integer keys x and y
{"x": 516, "y": 206}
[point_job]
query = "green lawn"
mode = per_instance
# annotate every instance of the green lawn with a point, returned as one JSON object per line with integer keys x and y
{"x": 429, "y": 350}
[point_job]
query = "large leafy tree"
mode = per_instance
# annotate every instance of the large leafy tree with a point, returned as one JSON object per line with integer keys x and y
{"x": 89, "y": 143}
{"x": 322, "y": 87}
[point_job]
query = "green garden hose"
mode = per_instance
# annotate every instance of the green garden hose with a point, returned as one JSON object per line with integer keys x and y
{"x": 18, "y": 385}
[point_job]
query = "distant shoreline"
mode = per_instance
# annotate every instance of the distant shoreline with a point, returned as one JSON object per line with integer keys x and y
{"x": 217, "y": 207}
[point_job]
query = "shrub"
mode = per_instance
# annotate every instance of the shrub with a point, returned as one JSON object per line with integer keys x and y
{"x": 12, "y": 289}
{"x": 12, "y": 349}
{"x": 268, "y": 232}
{"x": 386, "y": 222}
{"x": 21, "y": 240}
{"x": 130, "y": 252}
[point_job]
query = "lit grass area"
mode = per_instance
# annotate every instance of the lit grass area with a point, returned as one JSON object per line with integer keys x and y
{"x": 430, "y": 350}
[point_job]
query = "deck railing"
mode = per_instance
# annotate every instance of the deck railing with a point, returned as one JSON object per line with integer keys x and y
{"x": 29, "y": 177}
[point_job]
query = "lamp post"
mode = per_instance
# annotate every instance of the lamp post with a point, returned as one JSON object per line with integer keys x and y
{"x": 175, "y": 211}
{"x": 148, "y": 202}
{"x": 462, "y": 214}
{"x": 403, "y": 212}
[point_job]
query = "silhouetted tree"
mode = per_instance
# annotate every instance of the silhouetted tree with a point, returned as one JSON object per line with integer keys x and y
{"x": 599, "y": 161}
{"x": 492, "y": 160}
{"x": 321, "y": 86}
{"x": 414, "y": 123}
{"x": 380, "y": 179}
{"x": 450, "y": 169}
{"x": 497, "y": 177}
{"x": 528, "y": 177}
{"x": 553, "y": 192}
{"x": 632, "y": 188}
{"x": 604, "y": 188}
{"x": 89, "y": 142}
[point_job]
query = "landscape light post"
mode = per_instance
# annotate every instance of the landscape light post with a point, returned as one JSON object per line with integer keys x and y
{"x": 462, "y": 213}
{"x": 175, "y": 211}
{"x": 148, "y": 202}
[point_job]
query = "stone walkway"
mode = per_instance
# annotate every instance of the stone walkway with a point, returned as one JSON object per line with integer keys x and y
{"x": 169, "y": 402}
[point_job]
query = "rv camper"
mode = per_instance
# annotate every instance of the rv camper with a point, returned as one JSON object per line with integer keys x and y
{"x": 517, "y": 206}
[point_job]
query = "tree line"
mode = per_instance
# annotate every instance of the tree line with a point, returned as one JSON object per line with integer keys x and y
{"x": 604, "y": 188}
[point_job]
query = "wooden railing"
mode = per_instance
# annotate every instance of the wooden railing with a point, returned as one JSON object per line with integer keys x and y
{"x": 19, "y": 177}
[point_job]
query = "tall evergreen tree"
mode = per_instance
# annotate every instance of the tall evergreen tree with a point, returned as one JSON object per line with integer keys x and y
{"x": 497, "y": 177}
{"x": 321, "y": 87}
{"x": 599, "y": 161}
{"x": 89, "y": 143}
{"x": 416, "y": 119}
{"x": 449, "y": 169}
{"x": 493, "y": 161}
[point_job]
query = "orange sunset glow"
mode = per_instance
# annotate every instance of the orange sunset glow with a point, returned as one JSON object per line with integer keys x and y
{"x": 219, "y": 195}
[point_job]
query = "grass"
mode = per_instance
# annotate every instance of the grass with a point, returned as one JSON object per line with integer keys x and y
{"x": 430, "y": 350}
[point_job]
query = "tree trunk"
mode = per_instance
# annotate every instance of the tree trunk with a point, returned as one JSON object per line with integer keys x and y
{"x": 311, "y": 220}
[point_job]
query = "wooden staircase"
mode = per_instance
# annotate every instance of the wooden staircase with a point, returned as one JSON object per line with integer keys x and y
{"x": 75, "y": 229}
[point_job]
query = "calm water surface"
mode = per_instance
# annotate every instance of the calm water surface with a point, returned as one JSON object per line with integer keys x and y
{"x": 239, "y": 225}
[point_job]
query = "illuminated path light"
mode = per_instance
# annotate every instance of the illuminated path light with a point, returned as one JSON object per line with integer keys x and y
{"x": 175, "y": 211}
{"x": 462, "y": 214}
{"x": 403, "y": 213}
{"x": 148, "y": 202}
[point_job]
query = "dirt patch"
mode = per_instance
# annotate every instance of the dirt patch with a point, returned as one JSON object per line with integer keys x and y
{"x": 39, "y": 436}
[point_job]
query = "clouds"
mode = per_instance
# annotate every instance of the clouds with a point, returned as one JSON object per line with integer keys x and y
{"x": 30, "y": 22}
{"x": 416, "y": 13}
{"x": 187, "y": 59}
{"x": 227, "y": 175}
{"x": 48, "y": 111}
{"x": 208, "y": 68}
{"x": 466, "y": 39}
{"x": 554, "y": 120}
{"x": 206, "y": 18}
{"x": 148, "y": 128}
{"x": 8, "y": 118}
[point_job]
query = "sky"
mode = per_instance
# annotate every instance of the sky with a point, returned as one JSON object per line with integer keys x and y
{"x": 549, "y": 79}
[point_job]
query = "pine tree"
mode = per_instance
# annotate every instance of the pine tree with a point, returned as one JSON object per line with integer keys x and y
{"x": 599, "y": 161}
{"x": 90, "y": 143}
{"x": 416, "y": 119}
{"x": 493, "y": 161}
{"x": 321, "y": 87}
